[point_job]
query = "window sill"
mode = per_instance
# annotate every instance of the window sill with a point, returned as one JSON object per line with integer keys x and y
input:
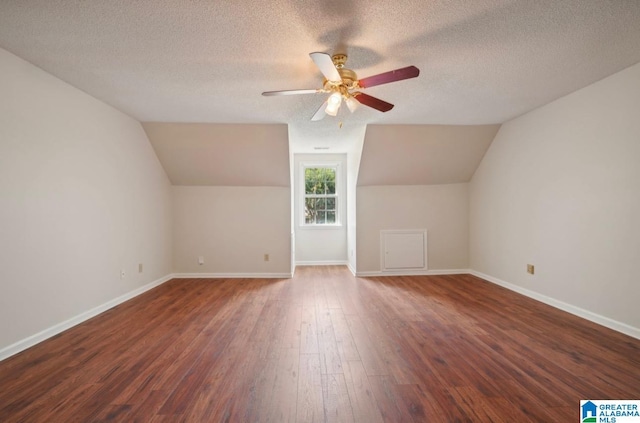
{"x": 332, "y": 227}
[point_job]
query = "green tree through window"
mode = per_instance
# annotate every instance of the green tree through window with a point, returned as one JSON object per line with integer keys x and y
{"x": 320, "y": 199}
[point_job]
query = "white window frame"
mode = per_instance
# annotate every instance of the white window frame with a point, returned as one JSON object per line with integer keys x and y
{"x": 338, "y": 196}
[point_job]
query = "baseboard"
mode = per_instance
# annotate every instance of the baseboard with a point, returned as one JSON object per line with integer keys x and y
{"x": 233, "y": 275}
{"x": 351, "y": 269}
{"x": 67, "y": 324}
{"x": 577, "y": 311}
{"x": 322, "y": 263}
{"x": 435, "y": 272}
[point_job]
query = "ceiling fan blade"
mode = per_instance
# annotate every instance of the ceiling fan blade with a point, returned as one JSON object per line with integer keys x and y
{"x": 289, "y": 92}
{"x": 324, "y": 62}
{"x": 373, "y": 102}
{"x": 320, "y": 114}
{"x": 391, "y": 76}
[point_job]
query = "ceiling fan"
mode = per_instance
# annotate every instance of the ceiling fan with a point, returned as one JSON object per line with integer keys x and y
{"x": 343, "y": 84}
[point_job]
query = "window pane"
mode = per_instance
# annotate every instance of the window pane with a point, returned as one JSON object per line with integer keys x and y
{"x": 316, "y": 179}
{"x": 311, "y": 179}
{"x": 308, "y": 174}
{"x": 311, "y": 187}
{"x": 330, "y": 174}
{"x": 310, "y": 210}
{"x": 320, "y": 183}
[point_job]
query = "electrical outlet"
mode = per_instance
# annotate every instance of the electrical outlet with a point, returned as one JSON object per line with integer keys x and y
{"x": 122, "y": 274}
{"x": 530, "y": 268}
{"x": 140, "y": 268}
{"x": 266, "y": 257}
{"x": 200, "y": 260}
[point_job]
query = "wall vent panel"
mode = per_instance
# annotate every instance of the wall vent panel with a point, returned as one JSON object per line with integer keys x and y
{"x": 403, "y": 249}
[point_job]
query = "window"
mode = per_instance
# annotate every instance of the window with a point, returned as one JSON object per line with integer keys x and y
{"x": 320, "y": 195}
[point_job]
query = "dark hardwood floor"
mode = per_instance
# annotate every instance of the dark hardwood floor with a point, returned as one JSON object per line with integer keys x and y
{"x": 323, "y": 346}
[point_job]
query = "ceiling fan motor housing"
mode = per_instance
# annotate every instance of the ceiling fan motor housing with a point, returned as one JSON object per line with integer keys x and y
{"x": 349, "y": 77}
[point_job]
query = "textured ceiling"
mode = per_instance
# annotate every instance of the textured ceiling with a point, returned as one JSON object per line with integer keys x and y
{"x": 481, "y": 61}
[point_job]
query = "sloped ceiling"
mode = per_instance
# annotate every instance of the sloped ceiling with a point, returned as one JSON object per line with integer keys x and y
{"x": 423, "y": 154}
{"x": 219, "y": 154}
{"x": 183, "y": 61}
{"x": 481, "y": 61}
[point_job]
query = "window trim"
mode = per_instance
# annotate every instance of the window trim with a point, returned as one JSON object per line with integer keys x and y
{"x": 338, "y": 196}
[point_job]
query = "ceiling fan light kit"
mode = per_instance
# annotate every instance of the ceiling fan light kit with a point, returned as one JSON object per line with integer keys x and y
{"x": 352, "y": 104}
{"x": 343, "y": 84}
{"x": 333, "y": 104}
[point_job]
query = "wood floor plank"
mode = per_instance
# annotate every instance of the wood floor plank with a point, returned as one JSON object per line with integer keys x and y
{"x": 389, "y": 401}
{"x": 148, "y": 404}
{"x": 475, "y": 405}
{"x": 383, "y": 334}
{"x": 363, "y": 402}
{"x": 308, "y": 331}
{"x": 260, "y": 391}
{"x": 284, "y": 393}
{"x": 292, "y": 334}
{"x": 344, "y": 340}
{"x": 332, "y": 291}
{"x": 337, "y": 405}
{"x": 330, "y": 361}
{"x": 310, "y": 405}
{"x": 322, "y": 346}
{"x": 368, "y": 350}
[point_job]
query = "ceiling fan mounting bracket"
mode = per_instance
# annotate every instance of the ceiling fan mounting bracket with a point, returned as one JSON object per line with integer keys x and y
{"x": 339, "y": 60}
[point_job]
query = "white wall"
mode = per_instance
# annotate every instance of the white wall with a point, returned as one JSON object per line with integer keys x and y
{"x": 314, "y": 244}
{"x": 292, "y": 226}
{"x": 232, "y": 228}
{"x": 560, "y": 188}
{"x": 441, "y": 209}
{"x": 82, "y": 195}
{"x": 353, "y": 165}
